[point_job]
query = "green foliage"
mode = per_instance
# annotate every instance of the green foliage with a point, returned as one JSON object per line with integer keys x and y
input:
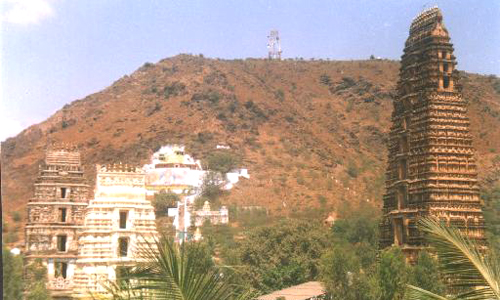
{"x": 496, "y": 84}
{"x": 12, "y": 279}
{"x": 174, "y": 89}
{"x": 339, "y": 269}
{"x": 38, "y": 291}
{"x": 322, "y": 200}
{"x": 255, "y": 109}
{"x": 249, "y": 218}
{"x": 211, "y": 95}
{"x": 352, "y": 169}
{"x": 211, "y": 188}
{"x": 425, "y": 274}
{"x": 282, "y": 255}
{"x": 346, "y": 83}
{"x": 173, "y": 272}
{"x": 36, "y": 280}
{"x": 12, "y": 236}
{"x": 393, "y": 274}
{"x": 349, "y": 270}
{"x": 325, "y": 79}
{"x": 163, "y": 200}
{"x": 147, "y": 65}
{"x": 491, "y": 199}
{"x": 16, "y": 216}
{"x": 280, "y": 95}
{"x": 361, "y": 231}
{"x": 5, "y": 226}
{"x": 204, "y": 137}
{"x": 222, "y": 161}
{"x": 220, "y": 237}
{"x": 470, "y": 272}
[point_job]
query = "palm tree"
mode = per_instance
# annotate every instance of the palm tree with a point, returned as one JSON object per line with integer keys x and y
{"x": 172, "y": 272}
{"x": 468, "y": 268}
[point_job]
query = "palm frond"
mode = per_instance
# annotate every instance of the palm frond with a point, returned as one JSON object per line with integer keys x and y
{"x": 168, "y": 271}
{"x": 416, "y": 293}
{"x": 462, "y": 261}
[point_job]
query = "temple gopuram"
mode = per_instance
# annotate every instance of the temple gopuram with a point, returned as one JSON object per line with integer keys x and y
{"x": 119, "y": 224}
{"x": 431, "y": 168}
{"x": 55, "y": 217}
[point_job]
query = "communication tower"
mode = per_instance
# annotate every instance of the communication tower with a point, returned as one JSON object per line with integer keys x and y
{"x": 274, "y": 45}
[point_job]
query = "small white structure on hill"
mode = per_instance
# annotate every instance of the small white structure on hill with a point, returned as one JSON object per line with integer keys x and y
{"x": 215, "y": 217}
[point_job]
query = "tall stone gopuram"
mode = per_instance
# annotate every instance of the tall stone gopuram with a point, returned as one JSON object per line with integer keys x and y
{"x": 431, "y": 167}
{"x": 55, "y": 217}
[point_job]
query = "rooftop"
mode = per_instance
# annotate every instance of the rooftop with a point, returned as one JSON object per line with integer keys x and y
{"x": 305, "y": 291}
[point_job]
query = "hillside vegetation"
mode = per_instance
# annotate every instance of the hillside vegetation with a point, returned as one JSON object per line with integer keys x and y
{"x": 312, "y": 133}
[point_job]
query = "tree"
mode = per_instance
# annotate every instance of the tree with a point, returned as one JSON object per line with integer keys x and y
{"x": 472, "y": 271}
{"x": 38, "y": 291}
{"x": 12, "y": 279}
{"x": 392, "y": 274}
{"x": 339, "y": 268}
{"x": 359, "y": 229}
{"x": 426, "y": 274}
{"x": 211, "y": 189}
{"x": 354, "y": 256}
{"x": 222, "y": 162}
{"x": 281, "y": 255}
{"x": 173, "y": 272}
{"x": 36, "y": 281}
{"x": 163, "y": 200}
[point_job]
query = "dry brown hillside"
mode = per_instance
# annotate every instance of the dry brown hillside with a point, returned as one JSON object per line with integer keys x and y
{"x": 312, "y": 133}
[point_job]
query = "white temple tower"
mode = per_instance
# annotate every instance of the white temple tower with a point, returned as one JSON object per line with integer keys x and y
{"x": 118, "y": 223}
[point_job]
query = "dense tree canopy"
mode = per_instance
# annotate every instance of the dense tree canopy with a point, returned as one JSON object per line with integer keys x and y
{"x": 163, "y": 200}
{"x": 279, "y": 256}
{"x": 13, "y": 275}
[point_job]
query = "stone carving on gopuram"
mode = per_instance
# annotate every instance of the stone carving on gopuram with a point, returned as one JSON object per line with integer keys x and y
{"x": 119, "y": 222}
{"x": 431, "y": 167}
{"x": 56, "y": 215}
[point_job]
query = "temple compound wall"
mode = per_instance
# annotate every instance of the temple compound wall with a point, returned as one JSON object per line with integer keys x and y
{"x": 431, "y": 166}
{"x": 119, "y": 223}
{"x": 56, "y": 216}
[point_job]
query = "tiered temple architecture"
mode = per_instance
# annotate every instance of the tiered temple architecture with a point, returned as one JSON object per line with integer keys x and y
{"x": 431, "y": 168}
{"x": 119, "y": 223}
{"x": 56, "y": 215}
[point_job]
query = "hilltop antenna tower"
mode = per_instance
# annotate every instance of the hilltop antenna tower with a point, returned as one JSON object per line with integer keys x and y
{"x": 274, "y": 45}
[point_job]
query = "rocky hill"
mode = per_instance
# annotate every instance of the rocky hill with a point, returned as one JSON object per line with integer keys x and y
{"x": 312, "y": 133}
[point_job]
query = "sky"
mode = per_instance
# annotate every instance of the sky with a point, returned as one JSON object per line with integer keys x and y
{"x": 53, "y": 52}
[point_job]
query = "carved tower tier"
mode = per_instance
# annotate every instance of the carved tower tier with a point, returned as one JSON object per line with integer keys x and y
{"x": 431, "y": 167}
{"x": 55, "y": 217}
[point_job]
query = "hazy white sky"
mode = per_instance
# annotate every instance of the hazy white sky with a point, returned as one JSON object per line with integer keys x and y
{"x": 56, "y": 51}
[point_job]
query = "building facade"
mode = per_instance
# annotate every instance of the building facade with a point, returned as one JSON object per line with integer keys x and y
{"x": 119, "y": 223}
{"x": 431, "y": 167}
{"x": 206, "y": 214}
{"x": 55, "y": 217}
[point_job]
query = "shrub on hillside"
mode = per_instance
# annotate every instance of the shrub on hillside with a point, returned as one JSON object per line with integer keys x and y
{"x": 222, "y": 162}
{"x": 174, "y": 89}
{"x": 325, "y": 79}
